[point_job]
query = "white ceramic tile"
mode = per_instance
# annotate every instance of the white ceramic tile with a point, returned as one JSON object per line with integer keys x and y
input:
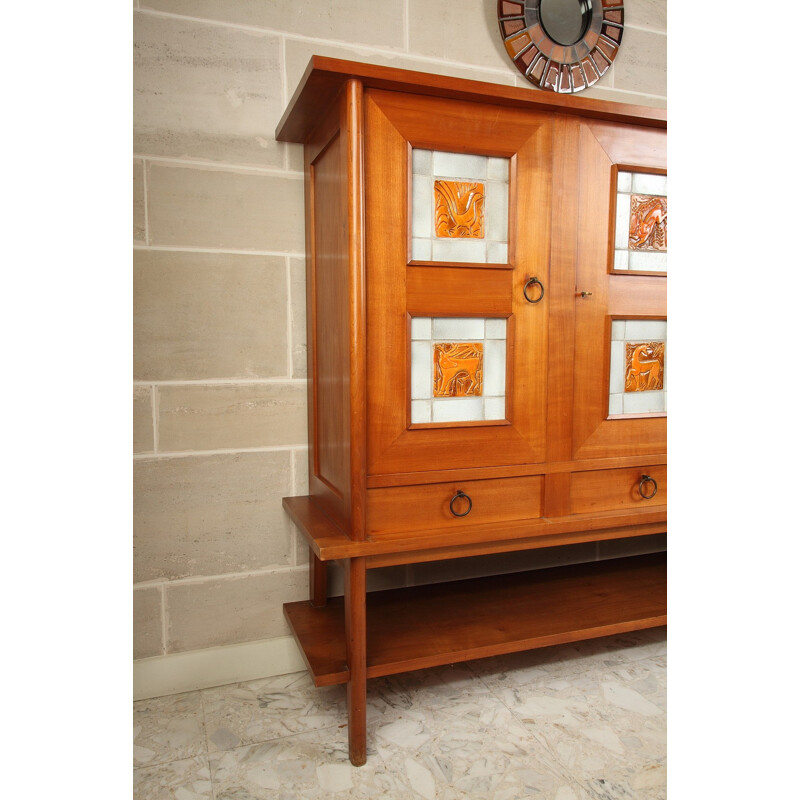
{"x": 422, "y": 207}
{"x": 421, "y": 162}
{"x": 617, "y": 376}
{"x": 464, "y": 329}
{"x": 620, "y": 259}
{"x": 645, "y": 329}
{"x": 497, "y": 253}
{"x": 496, "y": 328}
{"x": 459, "y": 250}
{"x": 420, "y": 411}
{"x": 615, "y": 404}
{"x": 617, "y": 330}
{"x": 421, "y": 327}
{"x": 457, "y": 409}
{"x": 643, "y": 402}
{"x": 494, "y": 367}
{"x": 623, "y": 221}
{"x": 497, "y": 169}
{"x": 421, "y": 370}
{"x": 496, "y": 211}
{"x": 652, "y": 262}
{"x": 623, "y": 181}
{"x": 494, "y": 407}
{"x": 459, "y": 165}
{"x": 649, "y": 184}
{"x": 421, "y": 249}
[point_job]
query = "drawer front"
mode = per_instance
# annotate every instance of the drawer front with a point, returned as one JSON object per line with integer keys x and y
{"x": 614, "y": 489}
{"x": 427, "y": 507}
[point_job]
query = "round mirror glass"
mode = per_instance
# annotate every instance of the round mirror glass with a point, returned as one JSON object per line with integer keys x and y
{"x": 565, "y": 21}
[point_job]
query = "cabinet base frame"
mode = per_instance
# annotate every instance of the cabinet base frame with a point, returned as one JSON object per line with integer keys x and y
{"x": 445, "y": 623}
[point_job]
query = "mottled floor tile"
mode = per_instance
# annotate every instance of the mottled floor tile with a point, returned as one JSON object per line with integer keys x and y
{"x": 257, "y": 711}
{"x": 185, "y": 779}
{"x": 602, "y": 789}
{"x": 577, "y": 722}
{"x": 439, "y": 756}
{"x": 606, "y": 727}
{"x": 308, "y": 765}
{"x": 168, "y": 728}
{"x": 455, "y": 689}
{"x": 541, "y": 665}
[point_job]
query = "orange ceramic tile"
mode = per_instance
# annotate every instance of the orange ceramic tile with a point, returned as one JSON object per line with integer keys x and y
{"x": 644, "y": 366}
{"x": 459, "y": 209}
{"x": 648, "y": 229}
{"x": 457, "y": 369}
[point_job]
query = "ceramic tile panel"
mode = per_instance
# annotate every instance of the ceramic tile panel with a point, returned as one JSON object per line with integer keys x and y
{"x": 640, "y": 224}
{"x": 637, "y": 379}
{"x": 459, "y": 207}
{"x": 458, "y": 369}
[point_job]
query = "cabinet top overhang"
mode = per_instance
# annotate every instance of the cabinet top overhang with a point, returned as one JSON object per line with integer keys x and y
{"x": 324, "y": 77}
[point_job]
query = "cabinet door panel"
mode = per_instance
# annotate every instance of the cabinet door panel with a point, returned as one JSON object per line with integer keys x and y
{"x": 601, "y": 428}
{"x": 402, "y": 289}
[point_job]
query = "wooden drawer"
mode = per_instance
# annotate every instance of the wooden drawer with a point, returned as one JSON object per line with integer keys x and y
{"x": 613, "y": 489}
{"x": 426, "y": 507}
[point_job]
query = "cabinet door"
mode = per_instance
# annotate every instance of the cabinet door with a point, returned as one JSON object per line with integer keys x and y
{"x": 457, "y": 224}
{"x": 621, "y": 320}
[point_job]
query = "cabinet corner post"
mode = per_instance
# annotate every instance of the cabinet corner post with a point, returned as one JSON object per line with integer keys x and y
{"x": 355, "y": 610}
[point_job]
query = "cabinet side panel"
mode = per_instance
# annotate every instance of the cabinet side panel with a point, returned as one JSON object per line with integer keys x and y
{"x": 331, "y": 367}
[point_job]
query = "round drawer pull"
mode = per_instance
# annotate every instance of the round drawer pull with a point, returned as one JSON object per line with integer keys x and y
{"x": 533, "y": 282}
{"x": 456, "y": 496}
{"x": 647, "y": 479}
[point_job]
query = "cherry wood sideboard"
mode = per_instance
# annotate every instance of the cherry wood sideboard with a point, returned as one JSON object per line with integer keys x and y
{"x": 486, "y": 297}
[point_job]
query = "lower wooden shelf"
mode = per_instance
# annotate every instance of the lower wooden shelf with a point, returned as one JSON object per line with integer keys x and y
{"x": 426, "y": 626}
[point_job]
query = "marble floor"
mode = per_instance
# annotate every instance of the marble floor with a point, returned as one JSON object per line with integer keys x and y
{"x": 575, "y": 722}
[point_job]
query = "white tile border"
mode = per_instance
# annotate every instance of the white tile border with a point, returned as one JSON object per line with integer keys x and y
{"x": 626, "y": 259}
{"x": 620, "y": 402}
{"x": 493, "y": 172}
{"x": 491, "y": 332}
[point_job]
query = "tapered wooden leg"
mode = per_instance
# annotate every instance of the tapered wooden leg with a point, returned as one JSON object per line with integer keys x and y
{"x": 355, "y": 615}
{"x": 317, "y": 580}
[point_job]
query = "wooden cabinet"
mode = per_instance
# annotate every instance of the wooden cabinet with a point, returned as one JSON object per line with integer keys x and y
{"x": 486, "y": 277}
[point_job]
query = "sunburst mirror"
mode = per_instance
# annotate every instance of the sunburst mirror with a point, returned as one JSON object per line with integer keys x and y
{"x": 561, "y": 46}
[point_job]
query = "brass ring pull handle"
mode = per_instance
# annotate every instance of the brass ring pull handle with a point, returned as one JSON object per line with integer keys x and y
{"x": 456, "y": 496}
{"x": 532, "y": 282}
{"x": 647, "y": 479}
